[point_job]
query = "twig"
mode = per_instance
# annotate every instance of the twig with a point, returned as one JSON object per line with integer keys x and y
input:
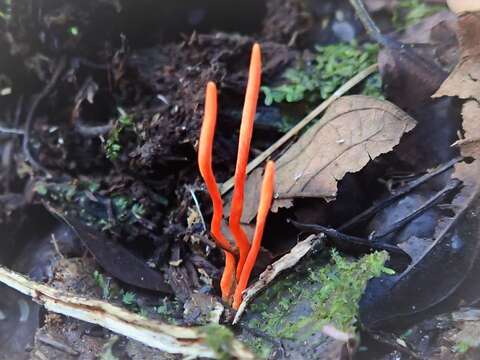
{"x": 29, "y": 122}
{"x": 10, "y": 131}
{"x": 92, "y": 131}
{"x": 7, "y": 157}
{"x": 197, "y": 205}
{"x": 368, "y": 23}
{"x": 452, "y": 185}
{"x": 226, "y": 186}
{"x": 56, "y": 247}
{"x": 342, "y": 240}
{"x": 188, "y": 341}
{"x": 56, "y": 344}
{"x": 365, "y": 215}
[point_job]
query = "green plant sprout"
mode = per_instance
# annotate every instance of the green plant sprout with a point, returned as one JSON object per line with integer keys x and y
{"x": 113, "y": 147}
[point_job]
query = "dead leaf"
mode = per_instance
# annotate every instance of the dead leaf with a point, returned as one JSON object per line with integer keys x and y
{"x": 415, "y": 63}
{"x": 435, "y": 38}
{"x": 113, "y": 257}
{"x": 464, "y": 81}
{"x": 353, "y": 131}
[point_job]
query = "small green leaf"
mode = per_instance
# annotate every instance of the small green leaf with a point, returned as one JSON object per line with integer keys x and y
{"x": 129, "y": 298}
{"x": 388, "y": 271}
{"x": 41, "y": 188}
{"x": 73, "y": 30}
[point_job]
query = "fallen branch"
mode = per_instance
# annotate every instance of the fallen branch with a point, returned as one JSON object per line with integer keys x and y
{"x": 172, "y": 339}
{"x": 362, "y": 75}
{"x": 285, "y": 262}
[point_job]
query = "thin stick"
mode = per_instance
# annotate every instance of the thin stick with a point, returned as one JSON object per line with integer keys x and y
{"x": 367, "y": 21}
{"x": 197, "y": 205}
{"x": 365, "y": 215}
{"x": 9, "y": 131}
{"x": 29, "y": 122}
{"x": 342, "y": 90}
{"x": 454, "y": 184}
{"x": 342, "y": 240}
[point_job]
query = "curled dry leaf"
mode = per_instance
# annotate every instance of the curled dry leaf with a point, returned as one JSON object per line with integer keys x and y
{"x": 353, "y": 131}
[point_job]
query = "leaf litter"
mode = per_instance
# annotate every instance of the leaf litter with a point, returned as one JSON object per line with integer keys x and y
{"x": 357, "y": 134}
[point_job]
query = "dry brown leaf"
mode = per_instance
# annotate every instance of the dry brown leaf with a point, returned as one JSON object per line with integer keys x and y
{"x": 354, "y": 130}
{"x": 464, "y": 81}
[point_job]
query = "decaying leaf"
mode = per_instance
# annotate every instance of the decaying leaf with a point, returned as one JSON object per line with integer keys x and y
{"x": 113, "y": 257}
{"x": 353, "y": 131}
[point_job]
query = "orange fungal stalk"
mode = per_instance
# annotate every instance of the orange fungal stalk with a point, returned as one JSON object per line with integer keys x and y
{"x": 205, "y": 148}
{"x": 236, "y": 272}
{"x": 246, "y": 129}
{"x": 266, "y": 198}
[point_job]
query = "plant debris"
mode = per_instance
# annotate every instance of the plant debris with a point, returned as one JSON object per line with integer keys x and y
{"x": 353, "y": 131}
{"x": 105, "y": 211}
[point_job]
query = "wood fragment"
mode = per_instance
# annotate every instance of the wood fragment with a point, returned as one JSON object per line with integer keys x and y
{"x": 189, "y": 341}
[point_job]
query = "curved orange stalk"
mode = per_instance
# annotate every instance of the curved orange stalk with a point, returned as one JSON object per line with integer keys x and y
{"x": 266, "y": 197}
{"x": 246, "y": 129}
{"x": 205, "y": 148}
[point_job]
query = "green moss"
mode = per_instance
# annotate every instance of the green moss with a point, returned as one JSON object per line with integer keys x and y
{"x": 299, "y": 305}
{"x": 343, "y": 283}
{"x": 259, "y": 347}
{"x": 331, "y": 67}
{"x": 219, "y": 338}
{"x": 462, "y": 347}
{"x": 103, "y": 283}
{"x": 409, "y": 12}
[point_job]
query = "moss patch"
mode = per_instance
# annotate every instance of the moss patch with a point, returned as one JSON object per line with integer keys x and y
{"x": 219, "y": 338}
{"x": 330, "y": 68}
{"x": 324, "y": 292}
